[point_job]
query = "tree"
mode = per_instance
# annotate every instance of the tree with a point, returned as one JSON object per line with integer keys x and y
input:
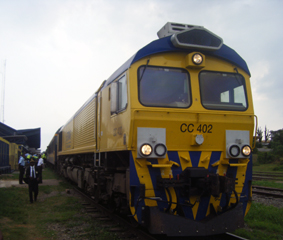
{"x": 267, "y": 134}
{"x": 278, "y": 136}
{"x": 259, "y": 134}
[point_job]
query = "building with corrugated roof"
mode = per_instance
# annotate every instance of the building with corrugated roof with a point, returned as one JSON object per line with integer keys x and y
{"x": 13, "y": 141}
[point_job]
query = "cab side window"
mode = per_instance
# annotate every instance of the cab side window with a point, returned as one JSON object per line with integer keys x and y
{"x": 118, "y": 95}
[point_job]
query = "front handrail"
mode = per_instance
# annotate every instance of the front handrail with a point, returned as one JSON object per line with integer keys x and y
{"x": 254, "y": 136}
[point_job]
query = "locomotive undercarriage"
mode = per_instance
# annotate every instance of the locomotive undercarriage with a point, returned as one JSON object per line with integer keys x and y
{"x": 102, "y": 176}
{"x": 106, "y": 178}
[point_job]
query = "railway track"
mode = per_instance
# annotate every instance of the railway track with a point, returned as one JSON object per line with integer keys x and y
{"x": 126, "y": 230}
{"x": 226, "y": 236}
{"x": 258, "y": 178}
{"x": 269, "y": 173}
{"x": 267, "y": 176}
{"x": 267, "y": 191}
{"x": 112, "y": 221}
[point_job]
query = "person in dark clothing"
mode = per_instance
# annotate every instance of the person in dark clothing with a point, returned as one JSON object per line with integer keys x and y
{"x": 33, "y": 176}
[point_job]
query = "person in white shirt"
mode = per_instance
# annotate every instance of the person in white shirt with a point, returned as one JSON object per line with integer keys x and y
{"x": 21, "y": 168}
{"x": 40, "y": 167}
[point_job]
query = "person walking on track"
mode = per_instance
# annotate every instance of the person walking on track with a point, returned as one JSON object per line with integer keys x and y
{"x": 33, "y": 176}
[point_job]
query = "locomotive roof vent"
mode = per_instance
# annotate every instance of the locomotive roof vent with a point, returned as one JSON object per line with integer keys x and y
{"x": 190, "y": 36}
{"x": 171, "y": 28}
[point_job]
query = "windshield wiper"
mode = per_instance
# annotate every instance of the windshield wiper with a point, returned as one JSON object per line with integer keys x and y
{"x": 145, "y": 68}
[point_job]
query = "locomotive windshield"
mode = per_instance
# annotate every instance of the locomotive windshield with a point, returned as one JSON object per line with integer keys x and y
{"x": 164, "y": 87}
{"x": 223, "y": 91}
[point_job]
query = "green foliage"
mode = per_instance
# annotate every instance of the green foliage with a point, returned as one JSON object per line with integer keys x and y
{"x": 258, "y": 145}
{"x": 255, "y": 150}
{"x": 278, "y": 168}
{"x": 265, "y": 157}
{"x": 278, "y": 137}
{"x": 278, "y": 150}
{"x": 264, "y": 222}
{"x": 277, "y": 145}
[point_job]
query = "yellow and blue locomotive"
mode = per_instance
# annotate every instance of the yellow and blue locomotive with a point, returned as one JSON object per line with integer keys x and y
{"x": 167, "y": 137}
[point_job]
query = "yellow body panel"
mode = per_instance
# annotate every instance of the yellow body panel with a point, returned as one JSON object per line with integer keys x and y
{"x": 67, "y": 137}
{"x": 178, "y": 138}
{"x": 115, "y": 129}
{"x": 84, "y": 126}
{"x": 13, "y": 156}
{"x": 79, "y": 134}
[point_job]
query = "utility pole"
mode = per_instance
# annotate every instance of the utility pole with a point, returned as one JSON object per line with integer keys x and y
{"x": 3, "y": 90}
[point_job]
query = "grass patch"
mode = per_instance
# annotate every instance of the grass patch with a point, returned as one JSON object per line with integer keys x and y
{"x": 47, "y": 173}
{"x": 56, "y": 215}
{"x": 265, "y": 167}
{"x": 263, "y": 222}
{"x": 12, "y": 176}
{"x": 278, "y": 168}
{"x": 272, "y": 184}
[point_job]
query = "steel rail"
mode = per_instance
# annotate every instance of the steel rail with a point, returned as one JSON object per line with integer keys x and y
{"x": 125, "y": 224}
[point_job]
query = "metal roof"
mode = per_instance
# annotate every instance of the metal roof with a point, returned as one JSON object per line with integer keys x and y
{"x": 29, "y": 137}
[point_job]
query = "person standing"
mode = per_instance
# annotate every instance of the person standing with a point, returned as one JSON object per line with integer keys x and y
{"x": 40, "y": 167}
{"x": 21, "y": 168}
{"x": 33, "y": 176}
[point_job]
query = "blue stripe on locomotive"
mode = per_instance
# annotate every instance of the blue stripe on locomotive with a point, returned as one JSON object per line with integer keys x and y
{"x": 155, "y": 173}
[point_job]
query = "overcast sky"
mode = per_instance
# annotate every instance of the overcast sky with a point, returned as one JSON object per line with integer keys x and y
{"x": 58, "y": 52}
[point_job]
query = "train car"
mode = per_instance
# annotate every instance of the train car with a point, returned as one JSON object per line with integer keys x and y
{"x": 167, "y": 138}
{"x": 5, "y": 146}
{"x": 51, "y": 151}
{"x": 14, "y": 156}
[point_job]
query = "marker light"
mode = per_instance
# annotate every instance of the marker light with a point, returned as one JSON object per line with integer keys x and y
{"x": 234, "y": 151}
{"x": 160, "y": 149}
{"x": 146, "y": 149}
{"x": 197, "y": 59}
{"x": 246, "y": 150}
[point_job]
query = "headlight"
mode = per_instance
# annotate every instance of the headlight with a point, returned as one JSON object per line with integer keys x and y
{"x": 246, "y": 150}
{"x": 146, "y": 149}
{"x": 234, "y": 151}
{"x": 160, "y": 149}
{"x": 197, "y": 59}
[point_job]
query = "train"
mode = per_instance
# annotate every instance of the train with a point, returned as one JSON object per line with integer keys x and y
{"x": 167, "y": 139}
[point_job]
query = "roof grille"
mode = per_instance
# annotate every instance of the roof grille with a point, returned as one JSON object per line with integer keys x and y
{"x": 171, "y": 28}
